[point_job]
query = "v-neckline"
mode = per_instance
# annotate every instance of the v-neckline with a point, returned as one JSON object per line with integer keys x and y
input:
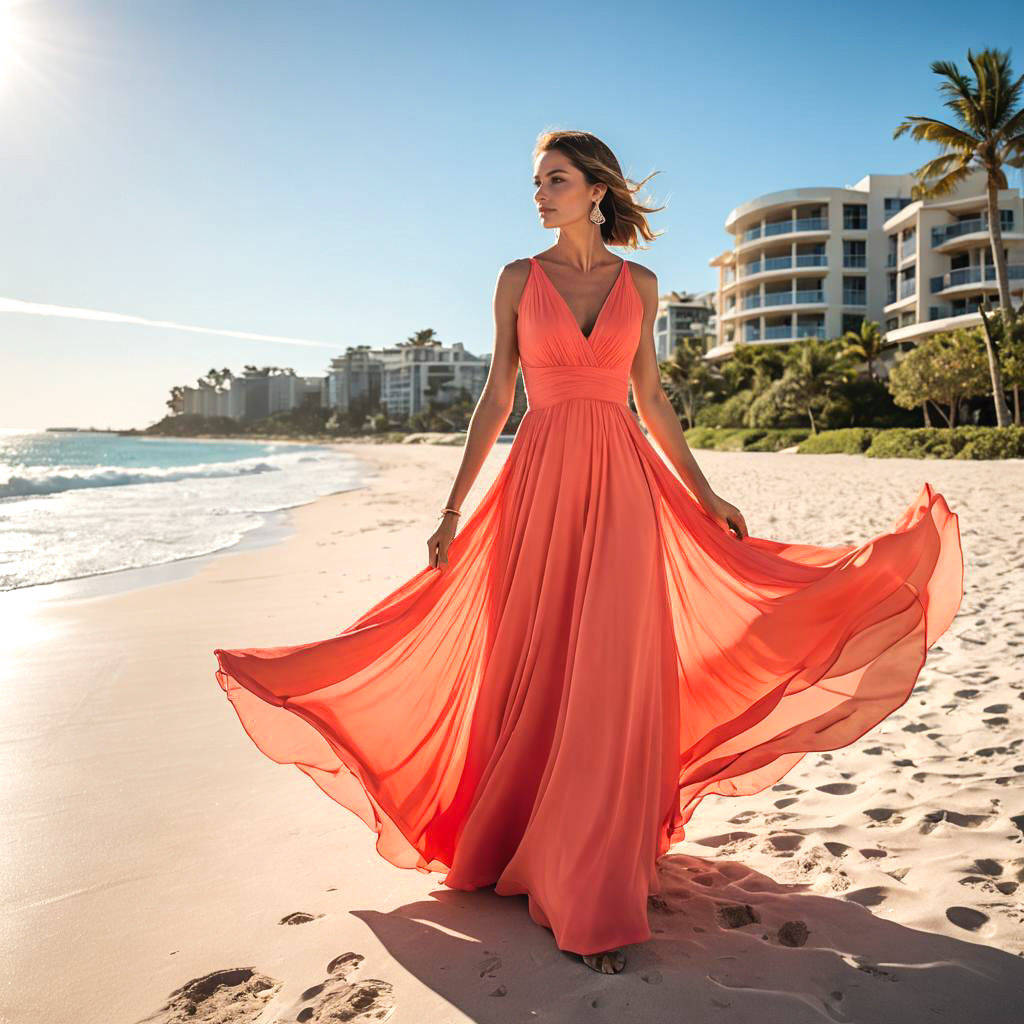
{"x": 565, "y": 305}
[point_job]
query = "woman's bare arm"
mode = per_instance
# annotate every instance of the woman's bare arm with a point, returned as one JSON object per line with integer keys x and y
{"x": 658, "y": 415}
{"x": 494, "y": 406}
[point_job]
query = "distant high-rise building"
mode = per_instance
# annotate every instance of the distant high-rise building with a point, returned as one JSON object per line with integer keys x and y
{"x": 683, "y": 315}
{"x": 414, "y": 373}
{"x": 354, "y": 380}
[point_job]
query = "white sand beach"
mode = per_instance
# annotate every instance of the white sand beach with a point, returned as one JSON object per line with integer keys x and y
{"x": 158, "y": 867}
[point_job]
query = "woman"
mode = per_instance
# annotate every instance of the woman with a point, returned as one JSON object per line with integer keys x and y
{"x": 602, "y": 644}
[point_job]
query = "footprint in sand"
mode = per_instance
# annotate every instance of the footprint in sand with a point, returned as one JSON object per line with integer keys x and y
{"x": 987, "y": 885}
{"x": 870, "y": 896}
{"x": 967, "y": 917}
{"x": 838, "y": 788}
{"x": 299, "y": 917}
{"x": 933, "y": 818}
{"x": 884, "y": 816}
{"x": 235, "y": 996}
{"x": 340, "y": 998}
{"x": 489, "y": 966}
{"x": 785, "y": 843}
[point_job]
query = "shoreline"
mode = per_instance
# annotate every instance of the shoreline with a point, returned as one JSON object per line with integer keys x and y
{"x": 276, "y": 525}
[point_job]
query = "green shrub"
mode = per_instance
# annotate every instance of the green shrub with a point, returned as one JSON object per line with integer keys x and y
{"x": 776, "y": 440}
{"x": 729, "y": 413}
{"x": 847, "y": 441}
{"x": 967, "y": 442}
{"x": 701, "y": 436}
{"x": 993, "y": 443}
{"x": 737, "y": 439}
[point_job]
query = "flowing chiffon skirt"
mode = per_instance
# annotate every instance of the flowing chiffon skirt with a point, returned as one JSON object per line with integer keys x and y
{"x": 545, "y": 714}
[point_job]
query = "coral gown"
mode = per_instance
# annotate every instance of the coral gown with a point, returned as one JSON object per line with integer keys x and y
{"x": 545, "y": 714}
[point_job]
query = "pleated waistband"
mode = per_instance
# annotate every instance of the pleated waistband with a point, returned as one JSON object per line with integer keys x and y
{"x": 549, "y": 385}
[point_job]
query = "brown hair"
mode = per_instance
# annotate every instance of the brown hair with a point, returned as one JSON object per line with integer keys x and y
{"x": 624, "y": 219}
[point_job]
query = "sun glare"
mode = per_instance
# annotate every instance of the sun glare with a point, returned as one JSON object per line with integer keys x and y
{"x": 12, "y": 39}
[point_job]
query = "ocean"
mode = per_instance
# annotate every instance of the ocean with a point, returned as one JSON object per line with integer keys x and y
{"x": 76, "y": 504}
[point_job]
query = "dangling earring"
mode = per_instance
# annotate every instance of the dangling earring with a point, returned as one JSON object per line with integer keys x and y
{"x": 596, "y": 216}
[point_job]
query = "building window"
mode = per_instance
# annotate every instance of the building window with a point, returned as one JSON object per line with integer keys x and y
{"x": 855, "y": 253}
{"x": 852, "y": 322}
{"x": 855, "y": 291}
{"x": 855, "y": 216}
{"x": 892, "y": 323}
{"x": 893, "y": 204}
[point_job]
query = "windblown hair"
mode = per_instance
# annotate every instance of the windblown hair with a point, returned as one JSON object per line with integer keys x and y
{"x": 625, "y": 220}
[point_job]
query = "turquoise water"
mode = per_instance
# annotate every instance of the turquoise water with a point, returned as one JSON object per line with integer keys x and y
{"x": 73, "y": 504}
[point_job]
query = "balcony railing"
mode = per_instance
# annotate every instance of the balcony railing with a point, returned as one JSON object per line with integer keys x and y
{"x": 853, "y": 297}
{"x": 786, "y": 227}
{"x": 751, "y": 334}
{"x": 750, "y": 268}
{"x": 781, "y": 331}
{"x": 855, "y": 260}
{"x": 890, "y": 260}
{"x": 811, "y": 259}
{"x": 908, "y": 287}
{"x": 969, "y": 227}
{"x": 783, "y": 298}
{"x": 908, "y": 248}
{"x": 810, "y": 330}
{"x": 973, "y": 275}
{"x": 778, "y": 262}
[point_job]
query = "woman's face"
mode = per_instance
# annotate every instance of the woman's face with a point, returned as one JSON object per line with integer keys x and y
{"x": 562, "y": 194}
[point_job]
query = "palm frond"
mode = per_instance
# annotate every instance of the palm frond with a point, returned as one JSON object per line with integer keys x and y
{"x": 943, "y": 186}
{"x": 1012, "y": 131}
{"x": 932, "y": 130}
{"x": 1013, "y": 93}
{"x": 959, "y": 93}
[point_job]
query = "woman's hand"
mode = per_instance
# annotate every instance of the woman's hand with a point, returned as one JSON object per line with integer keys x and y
{"x": 437, "y": 544}
{"x": 728, "y": 516}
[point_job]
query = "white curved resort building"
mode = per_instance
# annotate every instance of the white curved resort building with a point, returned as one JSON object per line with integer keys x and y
{"x": 815, "y": 262}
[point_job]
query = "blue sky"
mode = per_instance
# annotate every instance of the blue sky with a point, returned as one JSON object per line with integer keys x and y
{"x": 350, "y": 173}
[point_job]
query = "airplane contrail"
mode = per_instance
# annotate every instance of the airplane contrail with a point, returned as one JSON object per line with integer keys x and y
{"x": 76, "y": 313}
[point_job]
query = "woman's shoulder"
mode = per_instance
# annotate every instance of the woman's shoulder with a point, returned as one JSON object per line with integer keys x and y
{"x": 640, "y": 272}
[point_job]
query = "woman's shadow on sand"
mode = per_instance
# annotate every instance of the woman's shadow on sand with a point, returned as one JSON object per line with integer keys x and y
{"x": 725, "y": 938}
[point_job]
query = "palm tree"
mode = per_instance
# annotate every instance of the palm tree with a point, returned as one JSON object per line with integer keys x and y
{"x": 867, "y": 343}
{"x": 686, "y": 378}
{"x": 814, "y": 370}
{"x": 428, "y": 336}
{"x": 989, "y": 136}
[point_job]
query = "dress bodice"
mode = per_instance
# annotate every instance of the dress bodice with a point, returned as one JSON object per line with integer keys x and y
{"x": 560, "y": 362}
